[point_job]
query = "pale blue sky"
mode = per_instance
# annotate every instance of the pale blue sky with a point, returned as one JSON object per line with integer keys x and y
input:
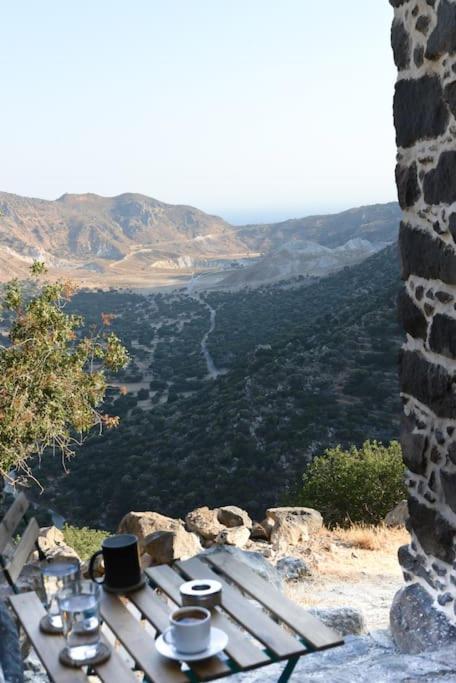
{"x": 253, "y": 109}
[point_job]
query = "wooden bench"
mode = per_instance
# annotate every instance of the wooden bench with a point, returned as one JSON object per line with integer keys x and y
{"x": 13, "y": 566}
{"x": 262, "y": 624}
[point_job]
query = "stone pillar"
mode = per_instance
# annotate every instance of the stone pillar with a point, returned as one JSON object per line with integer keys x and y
{"x": 424, "y": 46}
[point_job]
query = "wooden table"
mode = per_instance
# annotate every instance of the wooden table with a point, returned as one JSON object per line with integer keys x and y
{"x": 263, "y": 627}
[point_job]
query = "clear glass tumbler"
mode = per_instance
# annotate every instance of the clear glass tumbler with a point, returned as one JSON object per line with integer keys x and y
{"x": 80, "y": 609}
{"x": 57, "y": 574}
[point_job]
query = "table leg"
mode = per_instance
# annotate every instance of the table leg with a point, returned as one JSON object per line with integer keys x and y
{"x": 286, "y": 673}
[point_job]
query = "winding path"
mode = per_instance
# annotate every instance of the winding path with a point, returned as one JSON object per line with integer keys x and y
{"x": 212, "y": 370}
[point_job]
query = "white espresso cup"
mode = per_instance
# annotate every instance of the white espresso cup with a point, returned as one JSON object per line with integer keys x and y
{"x": 190, "y": 630}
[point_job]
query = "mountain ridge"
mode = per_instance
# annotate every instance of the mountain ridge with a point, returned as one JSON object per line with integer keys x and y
{"x": 139, "y": 241}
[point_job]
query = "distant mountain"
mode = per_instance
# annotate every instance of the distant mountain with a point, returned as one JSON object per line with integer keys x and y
{"x": 300, "y": 258}
{"x": 134, "y": 240}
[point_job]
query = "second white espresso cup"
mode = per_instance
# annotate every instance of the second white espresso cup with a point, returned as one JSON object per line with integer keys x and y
{"x": 190, "y": 630}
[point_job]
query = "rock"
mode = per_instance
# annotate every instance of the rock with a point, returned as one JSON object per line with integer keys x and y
{"x": 232, "y": 516}
{"x": 426, "y": 256}
{"x": 204, "y": 522}
{"x": 439, "y": 184}
{"x": 344, "y": 620}
{"x": 398, "y": 515}
{"x": 259, "y": 532}
{"x": 430, "y": 383}
{"x": 292, "y": 525}
{"x": 254, "y": 560}
{"x": 143, "y": 524}
{"x": 407, "y": 185}
{"x": 420, "y": 110}
{"x": 49, "y": 537}
{"x": 164, "y": 547}
{"x": 293, "y": 569}
{"x": 434, "y": 533}
{"x": 52, "y": 542}
{"x": 416, "y": 625}
{"x": 10, "y": 652}
{"x": 414, "y": 445}
{"x": 238, "y": 536}
{"x": 443, "y": 37}
{"x": 400, "y": 42}
{"x": 412, "y": 318}
{"x": 443, "y": 336}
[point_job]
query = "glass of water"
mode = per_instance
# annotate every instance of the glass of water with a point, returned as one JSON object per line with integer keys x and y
{"x": 80, "y": 609}
{"x": 57, "y": 574}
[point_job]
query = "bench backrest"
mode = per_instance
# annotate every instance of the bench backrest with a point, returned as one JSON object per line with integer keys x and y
{"x": 13, "y": 566}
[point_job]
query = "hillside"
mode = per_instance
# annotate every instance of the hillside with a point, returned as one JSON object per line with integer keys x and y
{"x": 297, "y": 369}
{"x": 135, "y": 241}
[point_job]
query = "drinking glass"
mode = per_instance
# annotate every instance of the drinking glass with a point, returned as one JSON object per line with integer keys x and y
{"x": 57, "y": 574}
{"x": 80, "y": 609}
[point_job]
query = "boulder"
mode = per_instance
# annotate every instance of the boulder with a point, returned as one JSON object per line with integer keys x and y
{"x": 344, "y": 620}
{"x": 416, "y": 625}
{"x": 293, "y": 569}
{"x": 49, "y": 537}
{"x": 238, "y": 536}
{"x": 398, "y": 515}
{"x": 204, "y": 522}
{"x": 293, "y": 525}
{"x": 259, "y": 532}
{"x": 143, "y": 524}
{"x": 164, "y": 547}
{"x": 232, "y": 516}
{"x": 253, "y": 560}
{"x": 52, "y": 542}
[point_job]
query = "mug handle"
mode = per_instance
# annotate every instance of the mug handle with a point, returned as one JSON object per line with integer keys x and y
{"x": 92, "y": 566}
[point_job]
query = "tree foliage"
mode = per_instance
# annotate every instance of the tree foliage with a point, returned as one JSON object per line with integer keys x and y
{"x": 355, "y": 485}
{"x": 53, "y": 379}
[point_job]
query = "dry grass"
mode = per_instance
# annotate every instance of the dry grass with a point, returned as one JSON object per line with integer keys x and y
{"x": 367, "y": 537}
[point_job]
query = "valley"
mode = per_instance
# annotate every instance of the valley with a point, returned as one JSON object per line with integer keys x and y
{"x": 305, "y": 365}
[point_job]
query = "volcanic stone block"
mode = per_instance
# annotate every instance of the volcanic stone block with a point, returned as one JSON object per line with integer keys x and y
{"x": 407, "y": 185}
{"x": 416, "y": 625}
{"x": 411, "y": 316}
{"x": 449, "y": 488}
{"x": 433, "y": 532}
{"x": 443, "y": 37}
{"x": 439, "y": 184}
{"x": 400, "y": 42}
{"x": 413, "y": 445}
{"x": 426, "y": 256}
{"x": 429, "y": 383}
{"x": 443, "y": 335}
{"x": 450, "y": 96}
{"x": 420, "y": 111}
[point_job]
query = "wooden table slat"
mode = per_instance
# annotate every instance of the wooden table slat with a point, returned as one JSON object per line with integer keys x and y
{"x": 155, "y": 611}
{"x": 253, "y": 619}
{"x": 29, "y": 611}
{"x": 311, "y": 629}
{"x": 138, "y": 643}
{"x": 240, "y": 648}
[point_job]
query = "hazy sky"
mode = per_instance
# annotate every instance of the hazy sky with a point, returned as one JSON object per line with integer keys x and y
{"x": 253, "y": 109}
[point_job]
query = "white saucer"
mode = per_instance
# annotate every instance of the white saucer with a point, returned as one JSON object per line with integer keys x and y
{"x": 218, "y": 642}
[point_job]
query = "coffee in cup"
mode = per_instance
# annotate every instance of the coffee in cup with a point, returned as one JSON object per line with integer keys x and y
{"x": 190, "y": 630}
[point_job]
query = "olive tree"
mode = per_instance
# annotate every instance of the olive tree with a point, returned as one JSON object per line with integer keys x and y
{"x": 52, "y": 375}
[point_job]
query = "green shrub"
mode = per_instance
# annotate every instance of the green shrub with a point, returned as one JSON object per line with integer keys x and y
{"x": 85, "y": 541}
{"x": 358, "y": 485}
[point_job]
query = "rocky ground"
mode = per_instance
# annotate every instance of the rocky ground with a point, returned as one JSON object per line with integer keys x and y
{"x": 323, "y": 570}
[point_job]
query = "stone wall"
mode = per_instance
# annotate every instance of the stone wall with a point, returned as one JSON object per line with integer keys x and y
{"x": 424, "y": 46}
